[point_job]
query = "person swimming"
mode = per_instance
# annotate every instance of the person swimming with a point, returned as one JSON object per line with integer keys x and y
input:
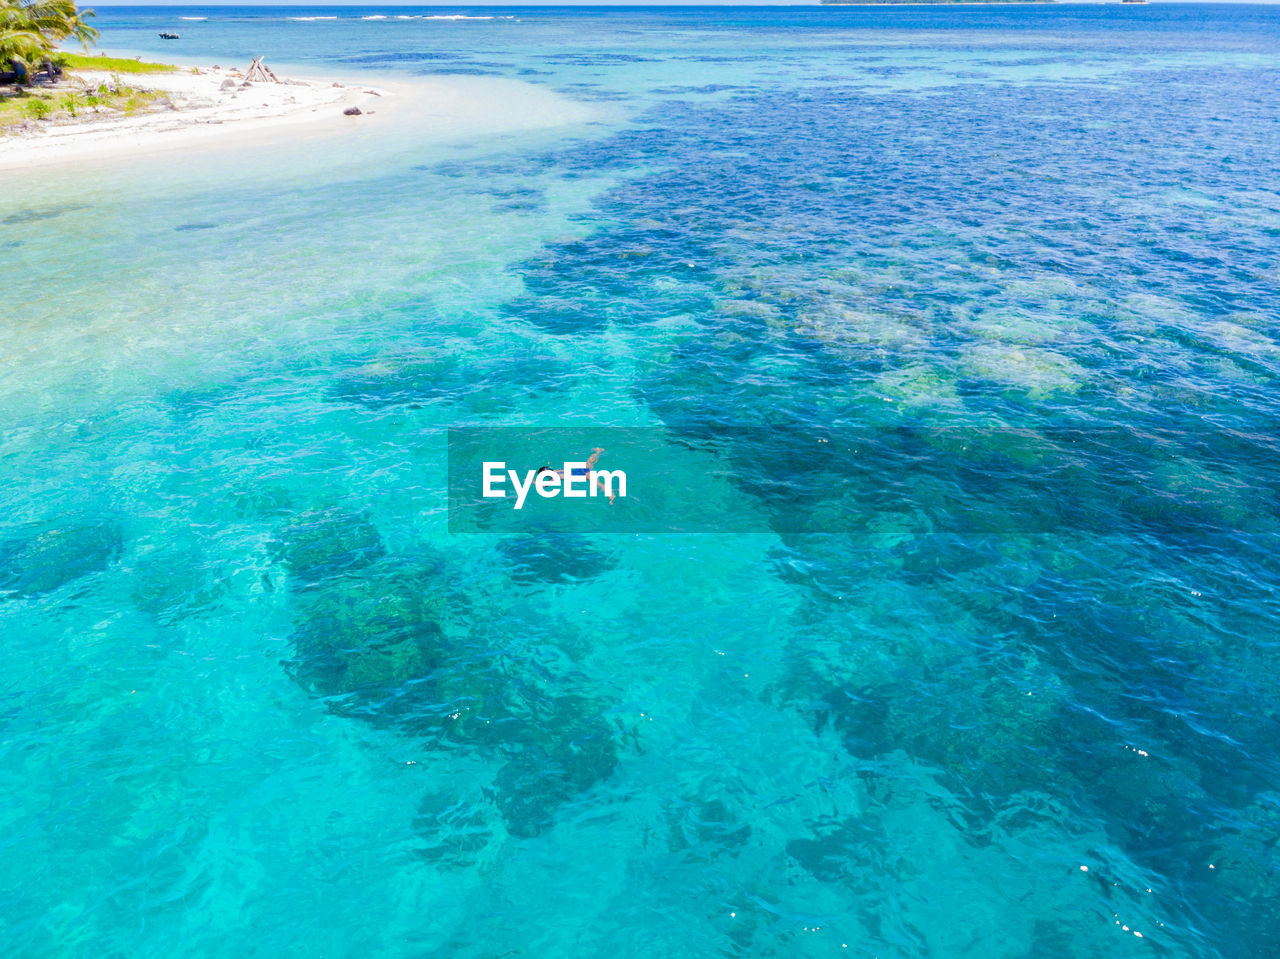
{"x": 583, "y": 472}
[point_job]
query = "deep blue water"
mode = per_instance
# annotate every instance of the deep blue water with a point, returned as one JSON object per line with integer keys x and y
{"x": 964, "y": 321}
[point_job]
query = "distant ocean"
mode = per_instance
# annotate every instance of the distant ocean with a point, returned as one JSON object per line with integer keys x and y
{"x": 970, "y": 315}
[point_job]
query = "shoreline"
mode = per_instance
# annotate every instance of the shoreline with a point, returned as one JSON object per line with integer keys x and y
{"x": 205, "y": 106}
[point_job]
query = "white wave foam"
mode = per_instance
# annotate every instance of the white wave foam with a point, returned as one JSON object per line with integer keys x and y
{"x": 193, "y": 18}
{"x": 313, "y": 18}
{"x": 414, "y": 16}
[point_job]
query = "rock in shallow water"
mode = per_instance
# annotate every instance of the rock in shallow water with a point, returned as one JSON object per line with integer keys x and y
{"x": 325, "y": 542}
{"x": 369, "y": 633}
{"x": 41, "y": 561}
{"x": 570, "y": 751}
{"x": 380, "y": 640}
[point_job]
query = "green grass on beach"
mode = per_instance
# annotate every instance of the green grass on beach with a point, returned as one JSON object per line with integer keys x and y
{"x": 79, "y": 61}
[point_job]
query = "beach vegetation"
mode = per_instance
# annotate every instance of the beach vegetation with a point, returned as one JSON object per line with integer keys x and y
{"x": 38, "y": 103}
{"x": 30, "y": 65}
{"x": 37, "y": 108}
{"x": 79, "y": 61}
{"x": 31, "y": 30}
{"x": 136, "y": 100}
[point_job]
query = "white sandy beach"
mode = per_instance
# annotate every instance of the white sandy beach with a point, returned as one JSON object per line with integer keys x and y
{"x": 211, "y": 105}
{"x": 212, "y": 109}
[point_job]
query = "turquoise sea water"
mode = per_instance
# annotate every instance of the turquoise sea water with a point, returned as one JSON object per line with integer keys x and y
{"x": 970, "y": 316}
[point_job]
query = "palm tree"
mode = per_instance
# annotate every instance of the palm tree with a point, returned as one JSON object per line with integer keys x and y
{"x": 20, "y": 46}
{"x": 30, "y": 30}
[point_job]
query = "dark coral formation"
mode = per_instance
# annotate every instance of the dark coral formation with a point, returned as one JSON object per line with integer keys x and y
{"x": 39, "y": 560}
{"x": 322, "y": 543}
{"x": 563, "y": 753}
{"x": 399, "y": 644}
{"x": 369, "y": 633}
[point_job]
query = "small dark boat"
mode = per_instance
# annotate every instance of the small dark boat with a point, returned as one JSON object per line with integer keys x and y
{"x": 169, "y": 36}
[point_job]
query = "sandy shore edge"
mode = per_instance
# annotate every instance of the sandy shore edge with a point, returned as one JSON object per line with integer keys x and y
{"x": 204, "y": 105}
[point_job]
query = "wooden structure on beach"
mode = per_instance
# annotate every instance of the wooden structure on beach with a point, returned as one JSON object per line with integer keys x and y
{"x": 260, "y": 72}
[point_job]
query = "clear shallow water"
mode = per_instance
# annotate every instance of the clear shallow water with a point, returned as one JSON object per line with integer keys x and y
{"x": 259, "y": 700}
